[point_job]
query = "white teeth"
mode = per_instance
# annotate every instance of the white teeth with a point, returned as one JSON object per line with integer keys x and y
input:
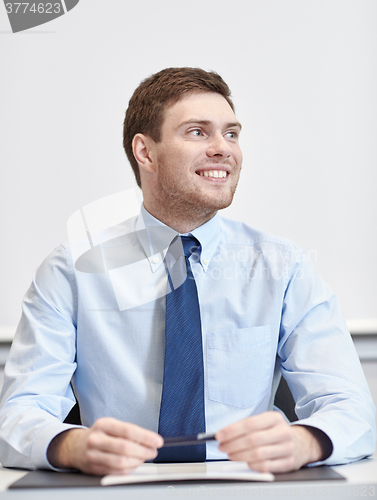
{"x": 214, "y": 173}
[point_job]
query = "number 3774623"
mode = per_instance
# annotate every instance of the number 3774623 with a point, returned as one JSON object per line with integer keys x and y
{"x": 33, "y": 7}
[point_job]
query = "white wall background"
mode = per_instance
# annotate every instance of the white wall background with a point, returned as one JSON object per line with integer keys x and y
{"x": 304, "y": 78}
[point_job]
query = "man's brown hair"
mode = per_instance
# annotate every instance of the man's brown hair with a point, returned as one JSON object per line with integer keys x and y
{"x": 145, "y": 113}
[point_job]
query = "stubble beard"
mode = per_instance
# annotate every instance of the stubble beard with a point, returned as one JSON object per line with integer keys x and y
{"x": 183, "y": 201}
{"x": 188, "y": 203}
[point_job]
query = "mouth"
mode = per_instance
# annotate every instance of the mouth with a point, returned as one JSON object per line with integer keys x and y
{"x": 219, "y": 173}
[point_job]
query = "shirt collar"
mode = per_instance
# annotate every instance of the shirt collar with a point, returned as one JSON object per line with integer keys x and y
{"x": 209, "y": 236}
{"x": 155, "y": 238}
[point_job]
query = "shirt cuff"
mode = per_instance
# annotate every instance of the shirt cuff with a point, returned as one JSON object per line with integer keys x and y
{"x": 338, "y": 448}
{"x": 42, "y": 441}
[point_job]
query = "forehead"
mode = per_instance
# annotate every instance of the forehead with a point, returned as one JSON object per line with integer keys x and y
{"x": 204, "y": 106}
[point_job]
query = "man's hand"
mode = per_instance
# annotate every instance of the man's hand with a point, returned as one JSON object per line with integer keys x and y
{"x": 269, "y": 444}
{"x": 110, "y": 446}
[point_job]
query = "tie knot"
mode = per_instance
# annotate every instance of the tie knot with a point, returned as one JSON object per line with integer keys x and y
{"x": 190, "y": 244}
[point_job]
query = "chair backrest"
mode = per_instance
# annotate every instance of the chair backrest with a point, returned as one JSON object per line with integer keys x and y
{"x": 284, "y": 400}
{"x": 73, "y": 416}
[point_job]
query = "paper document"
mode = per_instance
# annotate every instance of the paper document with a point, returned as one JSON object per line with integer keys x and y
{"x": 147, "y": 473}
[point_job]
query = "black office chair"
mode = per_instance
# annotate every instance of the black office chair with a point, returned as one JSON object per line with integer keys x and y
{"x": 73, "y": 416}
{"x": 284, "y": 400}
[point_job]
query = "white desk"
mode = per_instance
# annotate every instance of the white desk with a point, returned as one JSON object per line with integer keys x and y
{"x": 361, "y": 482}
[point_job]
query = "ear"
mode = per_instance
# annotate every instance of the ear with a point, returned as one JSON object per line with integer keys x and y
{"x": 143, "y": 148}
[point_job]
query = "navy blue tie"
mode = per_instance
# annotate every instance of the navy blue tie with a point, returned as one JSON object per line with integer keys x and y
{"x": 182, "y": 402}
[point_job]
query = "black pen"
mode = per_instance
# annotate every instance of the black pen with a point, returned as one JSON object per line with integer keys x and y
{"x": 196, "y": 439}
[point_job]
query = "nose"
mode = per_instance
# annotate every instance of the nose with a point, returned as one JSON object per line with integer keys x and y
{"x": 219, "y": 146}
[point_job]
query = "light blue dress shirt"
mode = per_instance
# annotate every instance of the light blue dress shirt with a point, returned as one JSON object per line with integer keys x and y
{"x": 94, "y": 319}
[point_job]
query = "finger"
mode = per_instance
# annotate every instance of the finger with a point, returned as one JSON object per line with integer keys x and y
{"x": 263, "y": 453}
{"x": 284, "y": 464}
{"x": 112, "y": 464}
{"x": 126, "y": 430}
{"x": 248, "y": 425}
{"x": 104, "y": 468}
{"x": 120, "y": 447}
{"x": 273, "y": 435}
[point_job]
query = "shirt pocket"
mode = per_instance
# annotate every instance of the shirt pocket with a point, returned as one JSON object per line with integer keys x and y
{"x": 239, "y": 365}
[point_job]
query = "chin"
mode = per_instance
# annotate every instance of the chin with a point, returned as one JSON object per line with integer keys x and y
{"x": 215, "y": 203}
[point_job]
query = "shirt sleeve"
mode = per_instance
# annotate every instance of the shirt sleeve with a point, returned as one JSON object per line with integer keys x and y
{"x": 37, "y": 393}
{"x": 321, "y": 366}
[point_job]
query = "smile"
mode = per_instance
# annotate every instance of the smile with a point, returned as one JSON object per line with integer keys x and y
{"x": 213, "y": 173}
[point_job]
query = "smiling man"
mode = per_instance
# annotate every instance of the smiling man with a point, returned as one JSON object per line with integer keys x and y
{"x": 206, "y": 354}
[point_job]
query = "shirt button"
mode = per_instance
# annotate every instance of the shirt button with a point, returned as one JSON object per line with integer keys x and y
{"x": 205, "y": 261}
{"x": 155, "y": 260}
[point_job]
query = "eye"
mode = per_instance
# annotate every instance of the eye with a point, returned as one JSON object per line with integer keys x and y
{"x": 196, "y": 131}
{"x": 232, "y": 134}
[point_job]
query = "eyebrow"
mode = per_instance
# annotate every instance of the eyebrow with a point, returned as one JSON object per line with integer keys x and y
{"x": 208, "y": 122}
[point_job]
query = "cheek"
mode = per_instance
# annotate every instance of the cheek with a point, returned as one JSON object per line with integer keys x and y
{"x": 238, "y": 156}
{"x": 179, "y": 157}
{"x": 185, "y": 159}
{"x": 172, "y": 153}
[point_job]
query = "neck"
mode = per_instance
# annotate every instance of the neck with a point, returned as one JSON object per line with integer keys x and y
{"x": 184, "y": 222}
